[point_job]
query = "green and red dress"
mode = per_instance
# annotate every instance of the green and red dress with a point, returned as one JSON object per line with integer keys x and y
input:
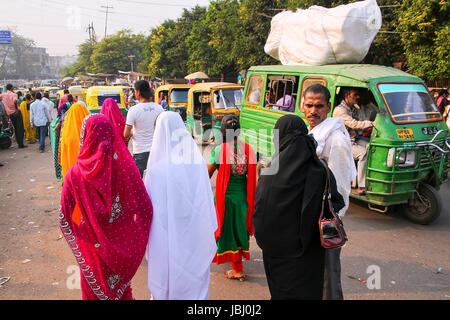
{"x": 235, "y": 199}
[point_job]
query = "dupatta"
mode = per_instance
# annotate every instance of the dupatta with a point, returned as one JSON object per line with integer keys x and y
{"x": 70, "y": 137}
{"x": 105, "y": 212}
{"x": 223, "y": 177}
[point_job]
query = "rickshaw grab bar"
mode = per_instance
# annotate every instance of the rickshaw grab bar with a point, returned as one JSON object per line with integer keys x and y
{"x": 431, "y": 142}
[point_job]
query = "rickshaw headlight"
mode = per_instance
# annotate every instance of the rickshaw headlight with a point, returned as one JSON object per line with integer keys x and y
{"x": 401, "y": 157}
{"x": 406, "y": 158}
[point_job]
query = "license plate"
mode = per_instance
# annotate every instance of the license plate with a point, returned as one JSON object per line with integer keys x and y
{"x": 405, "y": 134}
{"x": 429, "y": 130}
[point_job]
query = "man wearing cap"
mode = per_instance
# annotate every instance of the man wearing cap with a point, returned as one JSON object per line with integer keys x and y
{"x": 140, "y": 124}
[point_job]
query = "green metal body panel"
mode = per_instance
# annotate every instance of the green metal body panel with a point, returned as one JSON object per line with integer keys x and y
{"x": 198, "y": 131}
{"x": 385, "y": 186}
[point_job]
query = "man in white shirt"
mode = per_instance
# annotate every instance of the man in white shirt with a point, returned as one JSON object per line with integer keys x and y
{"x": 39, "y": 118}
{"x": 140, "y": 124}
{"x": 50, "y": 105}
{"x": 334, "y": 146}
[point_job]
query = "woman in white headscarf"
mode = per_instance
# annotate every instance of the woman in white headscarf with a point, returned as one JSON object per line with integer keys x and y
{"x": 182, "y": 245}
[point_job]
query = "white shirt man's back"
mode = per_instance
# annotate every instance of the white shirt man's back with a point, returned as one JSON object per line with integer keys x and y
{"x": 142, "y": 118}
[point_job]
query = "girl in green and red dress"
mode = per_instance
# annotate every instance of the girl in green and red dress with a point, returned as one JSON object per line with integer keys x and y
{"x": 235, "y": 197}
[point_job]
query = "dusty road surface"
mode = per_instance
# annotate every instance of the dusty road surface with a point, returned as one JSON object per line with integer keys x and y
{"x": 387, "y": 257}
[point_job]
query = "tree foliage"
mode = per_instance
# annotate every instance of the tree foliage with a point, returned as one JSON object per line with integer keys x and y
{"x": 109, "y": 55}
{"x": 425, "y": 35}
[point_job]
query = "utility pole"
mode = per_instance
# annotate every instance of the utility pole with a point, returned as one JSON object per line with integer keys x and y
{"x": 107, "y": 7}
{"x": 132, "y": 65}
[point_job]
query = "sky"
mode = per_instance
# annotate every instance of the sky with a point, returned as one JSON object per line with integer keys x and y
{"x": 61, "y": 25}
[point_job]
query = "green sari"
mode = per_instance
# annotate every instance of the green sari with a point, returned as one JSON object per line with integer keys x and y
{"x": 54, "y": 139}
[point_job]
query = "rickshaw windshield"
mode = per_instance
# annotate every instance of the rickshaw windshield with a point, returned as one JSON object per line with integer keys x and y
{"x": 409, "y": 103}
{"x": 228, "y": 98}
{"x": 179, "y": 95}
{"x": 102, "y": 99}
{"x": 53, "y": 92}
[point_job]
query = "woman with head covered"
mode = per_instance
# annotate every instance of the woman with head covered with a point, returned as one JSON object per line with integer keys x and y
{"x": 70, "y": 136}
{"x": 112, "y": 111}
{"x": 288, "y": 206}
{"x": 181, "y": 245}
{"x": 235, "y": 193}
{"x": 105, "y": 213}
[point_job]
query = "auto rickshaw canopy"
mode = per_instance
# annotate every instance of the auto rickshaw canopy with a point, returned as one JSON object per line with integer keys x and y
{"x": 95, "y": 96}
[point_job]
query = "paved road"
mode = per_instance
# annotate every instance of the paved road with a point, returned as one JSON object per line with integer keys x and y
{"x": 41, "y": 266}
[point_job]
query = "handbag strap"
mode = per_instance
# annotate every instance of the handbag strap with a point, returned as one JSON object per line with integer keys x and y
{"x": 327, "y": 193}
{"x": 327, "y": 190}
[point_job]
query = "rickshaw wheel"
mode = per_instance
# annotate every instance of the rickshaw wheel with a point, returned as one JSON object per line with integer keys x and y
{"x": 5, "y": 143}
{"x": 424, "y": 206}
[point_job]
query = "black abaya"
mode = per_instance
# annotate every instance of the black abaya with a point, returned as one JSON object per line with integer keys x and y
{"x": 287, "y": 210}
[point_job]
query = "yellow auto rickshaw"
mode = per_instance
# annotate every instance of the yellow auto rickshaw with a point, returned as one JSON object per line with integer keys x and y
{"x": 78, "y": 92}
{"x": 95, "y": 96}
{"x": 52, "y": 93}
{"x": 208, "y": 103}
{"x": 176, "y": 97}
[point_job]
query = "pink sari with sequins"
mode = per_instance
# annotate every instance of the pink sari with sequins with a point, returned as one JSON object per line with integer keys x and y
{"x": 105, "y": 212}
{"x": 111, "y": 110}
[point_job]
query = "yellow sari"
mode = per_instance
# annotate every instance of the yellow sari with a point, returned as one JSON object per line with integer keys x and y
{"x": 30, "y": 134}
{"x": 70, "y": 136}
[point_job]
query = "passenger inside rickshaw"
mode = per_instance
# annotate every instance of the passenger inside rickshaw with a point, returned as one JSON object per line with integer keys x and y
{"x": 357, "y": 109}
{"x": 282, "y": 93}
{"x": 202, "y": 105}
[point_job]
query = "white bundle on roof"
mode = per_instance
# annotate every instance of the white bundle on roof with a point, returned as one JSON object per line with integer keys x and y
{"x": 318, "y": 36}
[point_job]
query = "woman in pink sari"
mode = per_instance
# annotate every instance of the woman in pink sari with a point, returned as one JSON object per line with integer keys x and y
{"x": 105, "y": 212}
{"x": 111, "y": 110}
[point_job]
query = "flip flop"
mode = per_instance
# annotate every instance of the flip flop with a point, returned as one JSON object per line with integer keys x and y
{"x": 229, "y": 275}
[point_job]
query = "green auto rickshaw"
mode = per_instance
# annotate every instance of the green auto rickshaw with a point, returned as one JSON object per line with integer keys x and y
{"x": 208, "y": 103}
{"x": 408, "y": 152}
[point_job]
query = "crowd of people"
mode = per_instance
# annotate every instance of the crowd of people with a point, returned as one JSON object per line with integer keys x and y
{"x": 118, "y": 206}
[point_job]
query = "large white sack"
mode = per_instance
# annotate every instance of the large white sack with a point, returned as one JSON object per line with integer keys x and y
{"x": 276, "y": 31}
{"x": 318, "y": 35}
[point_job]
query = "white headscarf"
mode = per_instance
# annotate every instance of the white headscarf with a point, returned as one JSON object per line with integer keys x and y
{"x": 181, "y": 245}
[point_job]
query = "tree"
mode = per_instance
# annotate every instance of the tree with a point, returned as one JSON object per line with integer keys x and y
{"x": 166, "y": 50}
{"x": 425, "y": 32}
{"x": 112, "y": 53}
{"x": 159, "y": 42}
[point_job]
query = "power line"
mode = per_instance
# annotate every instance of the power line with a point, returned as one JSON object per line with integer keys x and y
{"x": 156, "y": 4}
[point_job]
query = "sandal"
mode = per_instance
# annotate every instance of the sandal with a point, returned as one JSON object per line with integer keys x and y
{"x": 229, "y": 275}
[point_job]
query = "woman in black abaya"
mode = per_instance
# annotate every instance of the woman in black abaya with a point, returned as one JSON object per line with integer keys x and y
{"x": 287, "y": 210}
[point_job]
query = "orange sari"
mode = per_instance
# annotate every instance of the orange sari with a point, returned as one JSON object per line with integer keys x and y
{"x": 70, "y": 137}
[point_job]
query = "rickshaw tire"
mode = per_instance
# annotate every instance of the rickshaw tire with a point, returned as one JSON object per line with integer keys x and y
{"x": 432, "y": 213}
{"x": 5, "y": 143}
